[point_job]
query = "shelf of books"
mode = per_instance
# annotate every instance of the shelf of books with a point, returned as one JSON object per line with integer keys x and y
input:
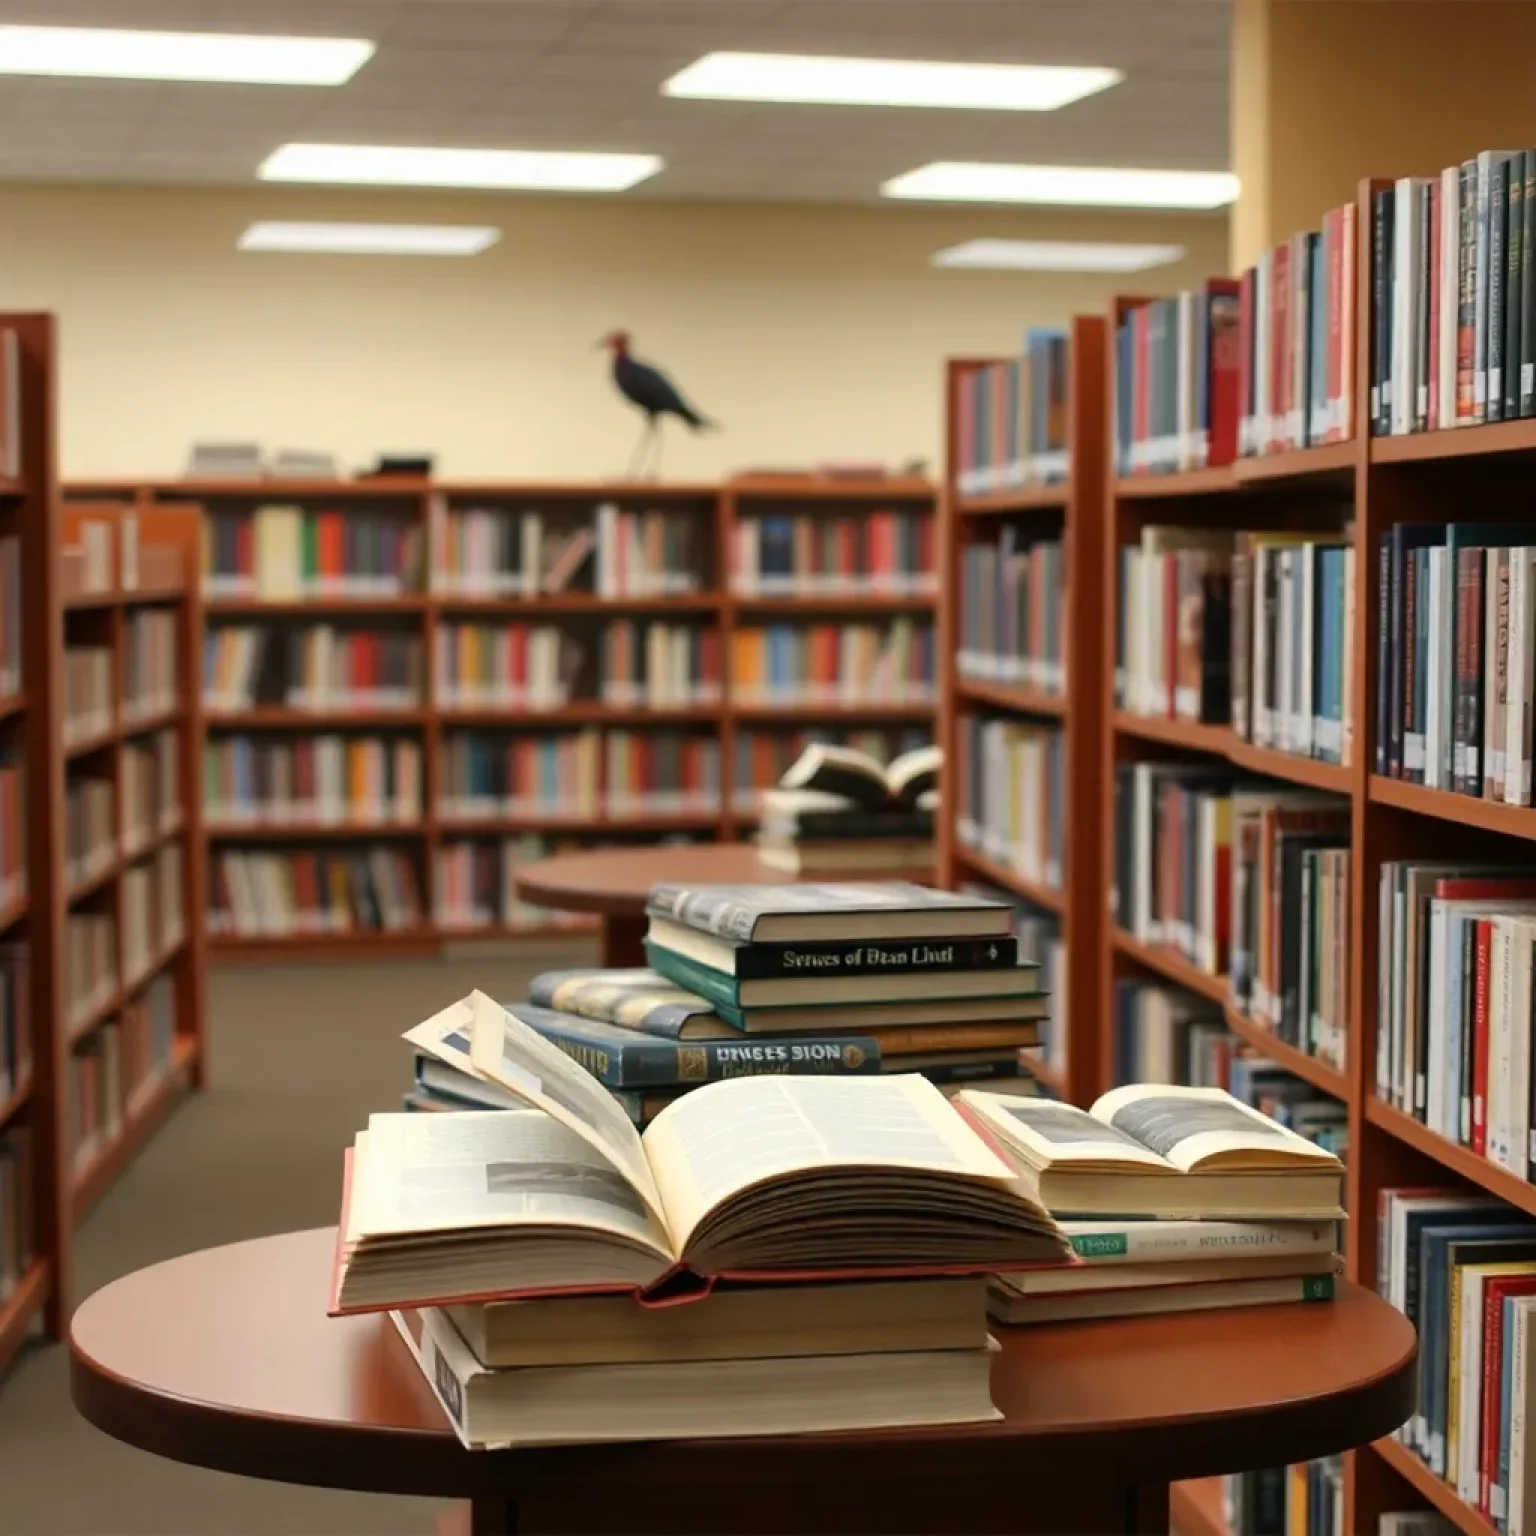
{"x": 1021, "y": 523}
{"x": 1316, "y": 776}
{"x": 413, "y": 688}
{"x": 133, "y": 869}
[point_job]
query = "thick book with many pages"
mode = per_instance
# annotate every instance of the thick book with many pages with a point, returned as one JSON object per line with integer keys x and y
{"x": 759, "y": 1178}
{"x": 698, "y": 1399}
{"x": 1151, "y": 1149}
{"x": 862, "y": 782}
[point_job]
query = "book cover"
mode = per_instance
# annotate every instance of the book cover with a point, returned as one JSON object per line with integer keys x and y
{"x": 635, "y": 999}
{"x": 625, "y": 1058}
{"x": 763, "y": 962}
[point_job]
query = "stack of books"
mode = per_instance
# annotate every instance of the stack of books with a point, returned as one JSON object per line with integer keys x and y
{"x": 1177, "y": 1200}
{"x": 956, "y": 1008}
{"x": 822, "y": 1245}
{"x": 838, "y": 811}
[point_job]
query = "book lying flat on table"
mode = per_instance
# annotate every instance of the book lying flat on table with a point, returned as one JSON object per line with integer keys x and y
{"x": 734, "y": 1322}
{"x": 803, "y": 1394}
{"x": 759, "y": 1178}
{"x": 1155, "y": 1150}
{"x": 1010, "y": 1306}
{"x": 909, "y": 958}
{"x": 786, "y": 914}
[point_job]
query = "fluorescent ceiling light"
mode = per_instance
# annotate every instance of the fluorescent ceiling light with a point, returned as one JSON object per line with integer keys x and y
{"x": 216, "y": 56}
{"x": 520, "y": 169}
{"x": 370, "y": 239}
{"x": 793, "y": 77}
{"x": 962, "y": 182}
{"x": 1057, "y": 255}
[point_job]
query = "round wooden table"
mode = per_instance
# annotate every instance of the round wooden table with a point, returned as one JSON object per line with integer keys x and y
{"x": 615, "y": 882}
{"x": 226, "y": 1359}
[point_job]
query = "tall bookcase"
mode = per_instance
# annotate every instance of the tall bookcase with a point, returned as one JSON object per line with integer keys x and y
{"x": 71, "y": 1157}
{"x": 715, "y": 516}
{"x": 1433, "y": 477}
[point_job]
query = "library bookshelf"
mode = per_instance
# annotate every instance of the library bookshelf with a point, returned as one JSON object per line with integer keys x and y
{"x": 716, "y": 518}
{"x": 44, "y": 1104}
{"x": 1431, "y": 477}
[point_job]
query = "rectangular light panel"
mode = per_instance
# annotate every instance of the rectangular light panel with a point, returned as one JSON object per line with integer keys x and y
{"x": 955, "y": 181}
{"x": 214, "y": 56}
{"x": 369, "y": 239}
{"x": 1057, "y": 256}
{"x": 505, "y": 169}
{"x": 805, "y": 78}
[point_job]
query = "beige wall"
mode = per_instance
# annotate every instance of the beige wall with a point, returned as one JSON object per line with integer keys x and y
{"x": 809, "y": 332}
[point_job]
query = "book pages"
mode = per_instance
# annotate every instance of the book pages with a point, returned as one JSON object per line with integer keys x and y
{"x": 507, "y": 1051}
{"x": 714, "y": 1143}
{"x": 1191, "y": 1126}
{"x": 489, "y": 1169}
{"x": 446, "y": 1036}
{"x": 1046, "y": 1134}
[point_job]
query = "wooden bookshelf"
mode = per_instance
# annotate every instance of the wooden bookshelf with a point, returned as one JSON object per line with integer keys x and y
{"x": 718, "y": 509}
{"x": 1077, "y": 505}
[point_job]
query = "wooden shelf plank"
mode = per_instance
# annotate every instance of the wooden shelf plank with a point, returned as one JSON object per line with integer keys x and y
{"x": 825, "y": 488}
{"x": 577, "y": 602}
{"x": 1491, "y": 437}
{"x": 143, "y": 1115}
{"x": 832, "y": 602}
{"x": 143, "y": 977}
{"x": 280, "y": 717}
{"x": 1464, "y": 810}
{"x": 14, "y": 912}
{"x": 1174, "y": 733}
{"x": 1323, "y": 459}
{"x": 19, "y": 1309}
{"x": 1459, "y": 1160}
{"x": 1311, "y": 772}
{"x": 1440, "y": 1494}
{"x": 139, "y": 725}
{"x": 1025, "y": 701}
{"x": 309, "y": 831}
{"x": 385, "y": 488}
{"x": 1189, "y": 482}
{"x": 98, "y": 881}
{"x": 578, "y": 490}
{"x": 12, "y": 704}
{"x": 582, "y": 712}
{"x": 1025, "y": 498}
{"x": 88, "y": 744}
{"x": 652, "y": 821}
{"x": 258, "y": 607}
{"x": 792, "y": 713}
{"x": 1172, "y": 966}
{"x": 1195, "y": 1508}
{"x": 1309, "y": 1069}
{"x": 984, "y": 868}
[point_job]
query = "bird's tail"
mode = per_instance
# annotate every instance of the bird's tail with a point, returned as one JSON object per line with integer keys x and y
{"x": 701, "y": 423}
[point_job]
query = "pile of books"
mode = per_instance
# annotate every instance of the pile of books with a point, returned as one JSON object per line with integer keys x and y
{"x": 1176, "y": 1199}
{"x": 829, "y": 981}
{"x": 837, "y": 811}
{"x": 823, "y": 1245}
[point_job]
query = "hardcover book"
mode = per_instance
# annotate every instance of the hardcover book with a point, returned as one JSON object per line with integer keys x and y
{"x": 787, "y": 913}
{"x": 635, "y": 998}
{"x": 755, "y": 1179}
{"x": 862, "y": 782}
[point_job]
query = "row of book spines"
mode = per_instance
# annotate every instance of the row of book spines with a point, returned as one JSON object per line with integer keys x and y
{"x": 1176, "y": 382}
{"x": 242, "y": 776}
{"x": 1454, "y": 296}
{"x": 1296, "y": 340}
{"x": 795, "y": 657}
{"x": 10, "y": 616}
{"x": 1013, "y": 417}
{"x": 255, "y": 893}
{"x": 154, "y": 910}
{"x": 91, "y": 971}
{"x": 115, "y": 1062}
{"x": 16, "y": 1052}
{"x": 1012, "y": 793}
{"x": 1163, "y": 1035}
{"x": 880, "y": 551}
{"x": 1456, "y": 628}
{"x": 272, "y": 549}
{"x": 1013, "y": 605}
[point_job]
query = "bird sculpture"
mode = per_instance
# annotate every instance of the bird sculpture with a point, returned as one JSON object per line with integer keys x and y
{"x": 654, "y": 393}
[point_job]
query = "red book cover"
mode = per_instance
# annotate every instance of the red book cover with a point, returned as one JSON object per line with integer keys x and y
{"x": 1279, "y": 344}
{"x": 1141, "y": 393}
{"x": 1333, "y": 270}
{"x": 517, "y": 659}
{"x": 245, "y": 547}
{"x": 1221, "y": 301}
{"x": 1495, "y": 1289}
{"x": 1432, "y": 417}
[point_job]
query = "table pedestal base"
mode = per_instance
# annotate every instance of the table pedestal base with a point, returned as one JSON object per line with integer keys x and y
{"x": 620, "y": 942}
{"x": 1075, "y": 1508}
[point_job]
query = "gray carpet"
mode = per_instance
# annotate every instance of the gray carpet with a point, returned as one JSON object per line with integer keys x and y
{"x": 300, "y": 1055}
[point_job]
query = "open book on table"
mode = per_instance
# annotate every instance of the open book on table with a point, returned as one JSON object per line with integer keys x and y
{"x": 759, "y": 1178}
{"x": 1151, "y": 1149}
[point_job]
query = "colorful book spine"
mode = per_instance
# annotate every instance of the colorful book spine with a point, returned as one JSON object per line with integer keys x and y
{"x": 661, "y": 772}
{"x": 659, "y": 665}
{"x": 850, "y": 664}
{"x": 511, "y": 666}
{"x": 317, "y": 667}
{"x": 1012, "y": 781}
{"x": 475, "y": 886}
{"x": 324, "y": 780}
{"x": 872, "y": 554}
{"x": 261, "y": 894}
{"x": 1012, "y": 611}
{"x": 1013, "y": 420}
{"x": 288, "y": 553}
{"x": 486, "y": 776}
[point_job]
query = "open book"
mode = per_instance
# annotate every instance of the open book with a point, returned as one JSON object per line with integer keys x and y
{"x": 759, "y": 1178}
{"x": 858, "y": 779}
{"x": 1154, "y": 1150}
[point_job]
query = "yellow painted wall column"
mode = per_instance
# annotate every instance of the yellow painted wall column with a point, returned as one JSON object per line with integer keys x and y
{"x": 1325, "y": 92}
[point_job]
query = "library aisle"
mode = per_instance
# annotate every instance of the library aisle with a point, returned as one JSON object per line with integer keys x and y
{"x": 300, "y": 1055}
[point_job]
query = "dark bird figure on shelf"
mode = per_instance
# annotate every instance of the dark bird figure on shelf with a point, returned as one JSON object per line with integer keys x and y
{"x": 654, "y": 393}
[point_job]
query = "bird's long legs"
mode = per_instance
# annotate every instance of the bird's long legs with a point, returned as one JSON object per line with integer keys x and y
{"x": 638, "y": 457}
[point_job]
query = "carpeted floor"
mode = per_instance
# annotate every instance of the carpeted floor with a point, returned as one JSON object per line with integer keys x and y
{"x": 300, "y": 1055}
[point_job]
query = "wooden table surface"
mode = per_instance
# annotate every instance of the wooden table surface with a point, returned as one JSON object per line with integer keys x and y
{"x": 226, "y": 1359}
